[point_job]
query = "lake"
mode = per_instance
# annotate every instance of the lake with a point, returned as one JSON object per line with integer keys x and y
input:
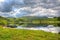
{"x": 47, "y": 28}
{"x": 54, "y": 28}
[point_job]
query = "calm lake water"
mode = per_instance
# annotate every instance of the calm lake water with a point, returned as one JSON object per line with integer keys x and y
{"x": 47, "y": 28}
{"x": 54, "y": 28}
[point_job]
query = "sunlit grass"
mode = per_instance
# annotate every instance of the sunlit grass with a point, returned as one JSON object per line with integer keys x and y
{"x": 19, "y": 34}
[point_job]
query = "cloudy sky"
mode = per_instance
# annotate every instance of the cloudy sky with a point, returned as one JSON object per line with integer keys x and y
{"x": 19, "y": 8}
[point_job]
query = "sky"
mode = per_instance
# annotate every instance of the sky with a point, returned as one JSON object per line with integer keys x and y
{"x": 19, "y": 8}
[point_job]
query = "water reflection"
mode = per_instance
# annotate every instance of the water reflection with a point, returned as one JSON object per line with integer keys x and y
{"x": 54, "y": 28}
{"x": 39, "y": 24}
{"x": 49, "y": 28}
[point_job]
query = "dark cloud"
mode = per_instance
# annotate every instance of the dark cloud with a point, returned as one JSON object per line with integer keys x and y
{"x": 7, "y": 6}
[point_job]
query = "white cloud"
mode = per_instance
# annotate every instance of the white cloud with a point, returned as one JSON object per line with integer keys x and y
{"x": 39, "y": 11}
{"x": 2, "y": 0}
{"x": 30, "y": 8}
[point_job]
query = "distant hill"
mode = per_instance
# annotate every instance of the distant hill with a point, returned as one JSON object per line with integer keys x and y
{"x": 33, "y": 17}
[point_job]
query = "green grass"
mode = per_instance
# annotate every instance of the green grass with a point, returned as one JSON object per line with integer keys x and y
{"x": 19, "y": 34}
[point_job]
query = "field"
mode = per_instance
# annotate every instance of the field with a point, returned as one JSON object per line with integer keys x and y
{"x": 19, "y": 34}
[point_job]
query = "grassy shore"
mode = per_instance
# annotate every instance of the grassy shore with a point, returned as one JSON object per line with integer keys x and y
{"x": 19, "y": 34}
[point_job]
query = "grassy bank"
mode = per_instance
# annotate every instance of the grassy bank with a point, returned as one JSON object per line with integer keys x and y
{"x": 29, "y": 20}
{"x": 18, "y": 34}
